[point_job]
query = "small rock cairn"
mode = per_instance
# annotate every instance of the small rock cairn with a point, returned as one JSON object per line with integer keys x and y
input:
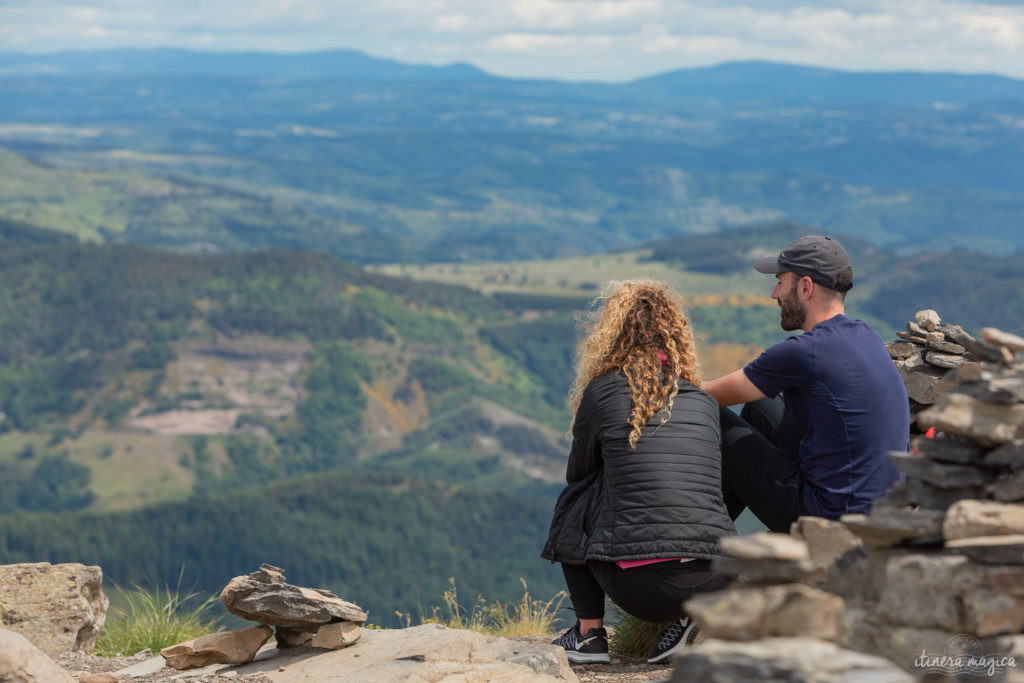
{"x": 932, "y": 579}
{"x": 300, "y": 616}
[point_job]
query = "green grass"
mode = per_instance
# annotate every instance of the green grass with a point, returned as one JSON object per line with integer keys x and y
{"x": 155, "y": 619}
{"x": 526, "y": 617}
{"x": 632, "y": 637}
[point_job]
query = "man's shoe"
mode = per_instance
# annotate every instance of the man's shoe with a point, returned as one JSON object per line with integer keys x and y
{"x": 679, "y": 634}
{"x": 591, "y": 648}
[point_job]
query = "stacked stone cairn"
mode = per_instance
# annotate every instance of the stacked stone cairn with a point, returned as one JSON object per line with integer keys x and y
{"x": 299, "y": 617}
{"x": 932, "y": 579}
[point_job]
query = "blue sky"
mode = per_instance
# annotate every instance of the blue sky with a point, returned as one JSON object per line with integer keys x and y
{"x": 570, "y": 39}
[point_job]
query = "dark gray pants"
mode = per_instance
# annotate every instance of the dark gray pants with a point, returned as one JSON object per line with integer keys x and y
{"x": 761, "y": 463}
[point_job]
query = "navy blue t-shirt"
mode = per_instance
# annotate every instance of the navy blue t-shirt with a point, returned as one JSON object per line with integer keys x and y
{"x": 840, "y": 385}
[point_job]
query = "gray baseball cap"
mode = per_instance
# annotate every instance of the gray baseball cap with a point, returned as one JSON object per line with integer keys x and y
{"x": 820, "y": 258}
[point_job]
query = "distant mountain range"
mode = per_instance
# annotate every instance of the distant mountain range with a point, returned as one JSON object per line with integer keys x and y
{"x": 730, "y": 81}
{"x": 372, "y": 160}
{"x": 307, "y": 65}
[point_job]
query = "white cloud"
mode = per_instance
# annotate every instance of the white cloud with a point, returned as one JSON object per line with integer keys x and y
{"x": 596, "y": 39}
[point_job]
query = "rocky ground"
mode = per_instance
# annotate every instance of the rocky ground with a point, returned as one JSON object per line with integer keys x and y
{"x": 88, "y": 669}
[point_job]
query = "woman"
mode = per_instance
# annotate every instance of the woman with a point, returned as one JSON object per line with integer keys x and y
{"x": 642, "y": 513}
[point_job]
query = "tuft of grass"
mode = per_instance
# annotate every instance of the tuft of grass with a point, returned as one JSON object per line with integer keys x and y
{"x": 632, "y": 637}
{"x": 155, "y": 619}
{"x": 528, "y": 616}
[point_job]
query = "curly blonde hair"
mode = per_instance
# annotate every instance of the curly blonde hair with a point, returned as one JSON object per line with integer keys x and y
{"x": 639, "y": 319}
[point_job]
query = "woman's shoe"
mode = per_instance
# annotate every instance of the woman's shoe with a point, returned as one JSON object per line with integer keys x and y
{"x": 679, "y": 634}
{"x": 591, "y": 648}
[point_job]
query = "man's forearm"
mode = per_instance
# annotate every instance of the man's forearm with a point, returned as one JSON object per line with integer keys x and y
{"x": 732, "y": 389}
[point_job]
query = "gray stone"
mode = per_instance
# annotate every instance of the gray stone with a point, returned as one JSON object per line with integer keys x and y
{"x": 429, "y": 652}
{"x": 281, "y": 604}
{"x": 927, "y": 383}
{"x": 887, "y": 526}
{"x": 1010, "y": 454}
{"x": 996, "y": 336}
{"x": 1008, "y": 489}
{"x": 749, "y": 613}
{"x": 945, "y": 347}
{"x": 23, "y": 662}
{"x": 789, "y": 660}
{"x": 1004, "y": 389}
{"x": 912, "y": 338}
{"x": 970, "y": 518}
{"x": 290, "y": 637}
{"x": 946, "y": 361}
{"x": 928, "y": 320}
{"x": 945, "y": 591}
{"x": 764, "y": 571}
{"x": 858, "y": 575}
{"x": 907, "y": 647}
{"x": 971, "y": 372}
{"x": 924, "y": 495}
{"x": 902, "y": 350}
{"x": 826, "y": 539}
{"x": 947, "y": 448}
{"x": 227, "y": 647}
{"x": 991, "y": 549}
{"x": 765, "y": 546}
{"x": 337, "y": 635}
{"x": 916, "y": 330}
{"x": 58, "y": 607}
{"x": 911, "y": 362}
{"x": 993, "y": 423}
{"x": 940, "y": 474}
{"x": 147, "y": 667}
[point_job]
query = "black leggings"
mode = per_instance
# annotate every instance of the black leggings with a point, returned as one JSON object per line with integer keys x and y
{"x": 653, "y": 592}
{"x": 761, "y": 463}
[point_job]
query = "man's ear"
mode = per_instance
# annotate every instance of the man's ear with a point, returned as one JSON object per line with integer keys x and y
{"x": 806, "y": 287}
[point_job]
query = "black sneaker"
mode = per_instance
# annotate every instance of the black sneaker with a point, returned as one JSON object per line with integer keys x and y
{"x": 589, "y": 649}
{"x": 679, "y": 634}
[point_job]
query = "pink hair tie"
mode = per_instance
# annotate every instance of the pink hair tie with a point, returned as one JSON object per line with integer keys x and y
{"x": 662, "y": 357}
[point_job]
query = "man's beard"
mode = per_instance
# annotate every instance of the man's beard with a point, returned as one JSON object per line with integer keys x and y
{"x": 794, "y": 311}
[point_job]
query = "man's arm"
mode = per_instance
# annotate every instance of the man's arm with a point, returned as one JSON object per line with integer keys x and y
{"x": 733, "y": 388}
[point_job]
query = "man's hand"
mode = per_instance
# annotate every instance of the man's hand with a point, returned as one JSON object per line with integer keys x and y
{"x": 733, "y": 388}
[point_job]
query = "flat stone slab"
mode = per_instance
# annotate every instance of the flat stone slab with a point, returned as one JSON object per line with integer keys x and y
{"x": 887, "y": 526}
{"x": 430, "y": 652}
{"x": 793, "y": 660}
{"x": 940, "y": 474}
{"x": 991, "y": 549}
{"x": 765, "y": 546}
{"x": 264, "y": 597}
{"x": 985, "y": 422}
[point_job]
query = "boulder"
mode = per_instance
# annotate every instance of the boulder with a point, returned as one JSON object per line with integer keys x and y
{"x": 430, "y": 652}
{"x": 985, "y": 422}
{"x": 226, "y": 647}
{"x": 826, "y": 539}
{"x": 789, "y": 660}
{"x": 59, "y": 608}
{"x": 264, "y": 597}
{"x": 968, "y": 518}
{"x": 792, "y": 609}
{"x": 23, "y": 662}
{"x": 337, "y": 635}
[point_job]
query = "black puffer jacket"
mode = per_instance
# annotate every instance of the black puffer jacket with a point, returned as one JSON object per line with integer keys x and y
{"x": 662, "y": 499}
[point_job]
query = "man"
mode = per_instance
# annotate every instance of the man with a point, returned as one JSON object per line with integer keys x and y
{"x": 822, "y": 449}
